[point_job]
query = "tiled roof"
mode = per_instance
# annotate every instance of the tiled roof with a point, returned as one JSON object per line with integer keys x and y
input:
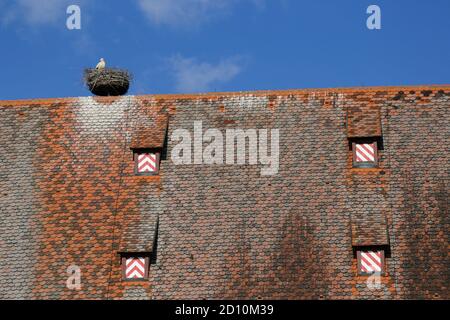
{"x": 69, "y": 196}
{"x": 150, "y": 132}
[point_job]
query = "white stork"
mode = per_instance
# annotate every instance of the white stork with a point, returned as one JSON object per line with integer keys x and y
{"x": 101, "y": 65}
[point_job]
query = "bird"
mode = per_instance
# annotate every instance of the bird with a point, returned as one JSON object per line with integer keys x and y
{"x": 101, "y": 65}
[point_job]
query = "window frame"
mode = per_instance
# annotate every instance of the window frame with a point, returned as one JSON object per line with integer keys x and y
{"x": 383, "y": 262}
{"x": 137, "y": 152}
{"x": 365, "y": 164}
{"x": 123, "y": 259}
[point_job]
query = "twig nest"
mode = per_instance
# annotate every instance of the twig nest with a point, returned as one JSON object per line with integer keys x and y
{"x": 108, "y": 81}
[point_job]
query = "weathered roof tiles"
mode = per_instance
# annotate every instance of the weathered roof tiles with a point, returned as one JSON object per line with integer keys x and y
{"x": 69, "y": 196}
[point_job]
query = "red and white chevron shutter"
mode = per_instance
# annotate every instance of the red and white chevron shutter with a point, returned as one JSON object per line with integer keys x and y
{"x": 147, "y": 163}
{"x": 135, "y": 268}
{"x": 371, "y": 261}
{"x": 365, "y": 152}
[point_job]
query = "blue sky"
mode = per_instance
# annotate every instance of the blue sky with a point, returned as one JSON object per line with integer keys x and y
{"x": 174, "y": 46}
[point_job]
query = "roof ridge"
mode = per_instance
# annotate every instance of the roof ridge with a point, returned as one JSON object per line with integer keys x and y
{"x": 44, "y": 101}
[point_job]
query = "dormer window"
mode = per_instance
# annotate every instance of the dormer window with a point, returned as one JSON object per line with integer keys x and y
{"x": 146, "y": 162}
{"x": 370, "y": 262}
{"x": 135, "y": 267}
{"x": 365, "y": 153}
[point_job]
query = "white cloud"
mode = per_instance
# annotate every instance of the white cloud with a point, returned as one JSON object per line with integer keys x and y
{"x": 193, "y": 76}
{"x": 35, "y": 12}
{"x": 187, "y": 12}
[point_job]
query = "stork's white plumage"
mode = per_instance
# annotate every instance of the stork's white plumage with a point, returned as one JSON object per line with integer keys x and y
{"x": 101, "y": 64}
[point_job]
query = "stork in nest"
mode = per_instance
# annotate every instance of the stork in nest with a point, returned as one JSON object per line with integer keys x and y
{"x": 101, "y": 65}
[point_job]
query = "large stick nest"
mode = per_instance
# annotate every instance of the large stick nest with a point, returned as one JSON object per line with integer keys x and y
{"x": 108, "y": 81}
